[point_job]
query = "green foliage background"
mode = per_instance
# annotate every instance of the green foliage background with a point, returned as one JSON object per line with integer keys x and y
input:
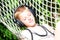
{"x": 5, "y": 34}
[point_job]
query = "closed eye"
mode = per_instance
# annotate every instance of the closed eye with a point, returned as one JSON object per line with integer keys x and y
{"x": 24, "y": 19}
{"x": 29, "y": 14}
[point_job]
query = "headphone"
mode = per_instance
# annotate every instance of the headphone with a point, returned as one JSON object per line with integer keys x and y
{"x": 20, "y": 23}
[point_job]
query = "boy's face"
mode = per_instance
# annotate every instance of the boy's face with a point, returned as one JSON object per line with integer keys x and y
{"x": 27, "y": 18}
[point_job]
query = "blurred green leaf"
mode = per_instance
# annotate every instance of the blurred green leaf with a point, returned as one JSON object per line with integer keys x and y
{"x": 5, "y": 34}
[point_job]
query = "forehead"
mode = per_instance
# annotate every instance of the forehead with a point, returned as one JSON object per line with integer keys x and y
{"x": 25, "y": 13}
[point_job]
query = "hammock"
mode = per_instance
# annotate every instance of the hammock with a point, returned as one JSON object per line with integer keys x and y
{"x": 7, "y": 8}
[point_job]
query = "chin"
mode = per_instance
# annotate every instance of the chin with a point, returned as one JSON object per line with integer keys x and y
{"x": 33, "y": 24}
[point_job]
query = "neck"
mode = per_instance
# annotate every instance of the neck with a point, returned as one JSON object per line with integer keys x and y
{"x": 33, "y": 26}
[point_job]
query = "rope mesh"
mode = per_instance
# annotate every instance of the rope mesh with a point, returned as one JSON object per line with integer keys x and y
{"x": 48, "y": 12}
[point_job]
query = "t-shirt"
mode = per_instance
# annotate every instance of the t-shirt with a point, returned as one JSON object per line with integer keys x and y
{"x": 39, "y": 30}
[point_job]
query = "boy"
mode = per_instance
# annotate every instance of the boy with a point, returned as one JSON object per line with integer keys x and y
{"x": 33, "y": 31}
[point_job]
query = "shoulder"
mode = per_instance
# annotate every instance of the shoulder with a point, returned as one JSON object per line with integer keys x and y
{"x": 49, "y": 27}
{"x": 26, "y": 34}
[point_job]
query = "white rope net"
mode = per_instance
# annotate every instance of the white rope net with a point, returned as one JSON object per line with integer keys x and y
{"x": 48, "y": 12}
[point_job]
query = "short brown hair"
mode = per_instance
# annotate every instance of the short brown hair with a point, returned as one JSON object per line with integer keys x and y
{"x": 19, "y": 10}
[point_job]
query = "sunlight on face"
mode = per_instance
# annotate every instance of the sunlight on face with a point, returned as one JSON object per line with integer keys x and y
{"x": 27, "y": 18}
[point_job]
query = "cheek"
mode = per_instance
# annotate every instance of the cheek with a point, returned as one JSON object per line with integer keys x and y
{"x": 29, "y": 24}
{"x": 25, "y": 22}
{"x": 33, "y": 18}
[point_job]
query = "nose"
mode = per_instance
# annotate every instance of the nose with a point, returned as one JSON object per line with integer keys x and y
{"x": 29, "y": 18}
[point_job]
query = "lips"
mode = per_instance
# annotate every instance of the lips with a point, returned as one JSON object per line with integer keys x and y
{"x": 31, "y": 20}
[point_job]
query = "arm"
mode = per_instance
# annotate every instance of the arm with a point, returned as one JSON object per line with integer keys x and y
{"x": 57, "y": 31}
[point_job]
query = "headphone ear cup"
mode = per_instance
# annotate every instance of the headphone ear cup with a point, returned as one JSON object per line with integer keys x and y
{"x": 18, "y": 22}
